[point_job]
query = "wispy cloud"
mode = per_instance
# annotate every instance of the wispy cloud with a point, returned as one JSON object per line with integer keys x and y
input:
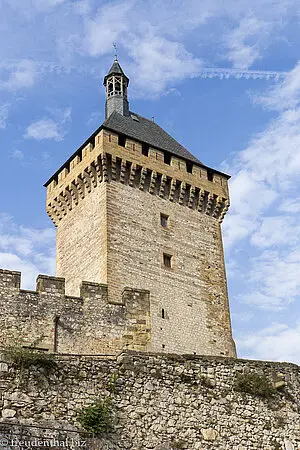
{"x": 244, "y": 41}
{"x": 4, "y": 109}
{"x": 17, "y": 75}
{"x": 265, "y": 175}
{"x": 32, "y": 251}
{"x": 278, "y": 342}
{"x": 17, "y": 154}
{"x": 48, "y": 128}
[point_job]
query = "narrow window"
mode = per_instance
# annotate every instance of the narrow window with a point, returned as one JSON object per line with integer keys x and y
{"x": 167, "y": 158}
{"x": 189, "y": 166}
{"x": 164, "y": 220}
{"x": 163, "y": 346}
{"x": 167, "y": 260}
{"x": 163, "y": 313}
{"x": 121, "y": 140}
{"x": 145, "y": 149}
{"x": 210, "y": 175}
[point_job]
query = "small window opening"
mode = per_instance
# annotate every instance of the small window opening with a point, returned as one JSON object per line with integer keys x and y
{"x": 117, "y": 86}
{"x": 121, "y": 140}
{"x": 189, "y": 166}
{"x": 163, "y": 346}
{"x": 163, "y": 313}
{"x": 210, "y": 175}
{"x": 145, "y": 149}
{"x": 164, "y": 220}
{"x": 167, "y": 260}
{"x": 167, "y": 158}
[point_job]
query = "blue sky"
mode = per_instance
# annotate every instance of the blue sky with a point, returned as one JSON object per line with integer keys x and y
{"x": 222, "y": 77}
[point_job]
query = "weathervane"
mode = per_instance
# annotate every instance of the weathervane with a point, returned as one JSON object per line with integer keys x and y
{"x": 115, "y": 47}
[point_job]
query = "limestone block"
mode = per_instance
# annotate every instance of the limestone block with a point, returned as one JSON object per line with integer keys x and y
{"x": 288, "y": 445}
{"x": 209, "y": 434}
{"x": 3, "y": 367}
{"x": 8, "y": 413}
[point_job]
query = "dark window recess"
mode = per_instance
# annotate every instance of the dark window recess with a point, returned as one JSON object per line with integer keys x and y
{"x": 145, "y": 149}
{"x": 163, "y": 313}
{"x": 163, "y": 346}
{"x": 118, "y": 168}
{"x": 167, "y": 260}
{"x": 210, "y": 175}
{"x": 167, "y": 158}
{"x": 189, "y": 167}
{"x": 122, "y": 140}
{"x": 167, "y": 189}
{"x": 164, "y": 220}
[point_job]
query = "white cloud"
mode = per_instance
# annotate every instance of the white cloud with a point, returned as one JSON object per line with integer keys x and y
{"x": 172, "y": 62}
{"x": 17, "y": 75}
{"x": 106, "y": 26}
{"x": 44, "y": 129}
{"x": 31, "y": 251}
{"x": 3, "y": 115}
{"x": 48, "y": 128}
{"x": 290, "y": 205}
{"x": 278, "y": 342}
{"x": 236, "y": 227}
{"x": 277, "y": 231}
{"x": 285, "y": 95}
{"x": 244, "y": 41}
{"x": 17, "y": 154}
{"x": 273, "y": 279}
{"x": 263, "y": 200}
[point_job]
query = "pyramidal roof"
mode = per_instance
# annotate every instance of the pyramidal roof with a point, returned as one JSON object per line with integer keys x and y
{"x": 115, "y": 69}
{"x": 144, "y": 130}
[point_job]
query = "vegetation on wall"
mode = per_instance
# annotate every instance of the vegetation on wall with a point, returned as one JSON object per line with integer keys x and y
{"x": 26, "y": 357}
{"x": 96, "y": 418}
{"x": 254, "y": 384}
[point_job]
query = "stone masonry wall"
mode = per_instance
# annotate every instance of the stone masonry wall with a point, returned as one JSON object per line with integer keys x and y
{"x": 160, "y": 402}
{"x": 89, "y": 324}
{"x": 81, "y": 242}
{"x": 193, "y": 293}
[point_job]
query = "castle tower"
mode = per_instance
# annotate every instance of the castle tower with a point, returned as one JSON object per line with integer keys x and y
{"x": 133, "y": 208}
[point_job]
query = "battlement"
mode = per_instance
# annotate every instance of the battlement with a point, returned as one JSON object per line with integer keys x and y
{"x": 108, "y": 158}
{"x": 50, "y": 319}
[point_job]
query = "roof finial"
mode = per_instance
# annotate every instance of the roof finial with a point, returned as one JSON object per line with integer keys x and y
{"x": 115, "y": 47}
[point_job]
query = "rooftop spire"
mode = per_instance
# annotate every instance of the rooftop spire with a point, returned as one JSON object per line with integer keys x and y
{"x": 115, "y": 55}
{"x": 116, "y": 84}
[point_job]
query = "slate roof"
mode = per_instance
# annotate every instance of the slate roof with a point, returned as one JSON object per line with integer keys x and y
{"x": 143, "y": 130}
{"x": 147, "y": 131}
{"x": 117, "y": 70}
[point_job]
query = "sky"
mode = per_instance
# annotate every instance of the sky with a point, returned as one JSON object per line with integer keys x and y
{"x": 222, "y": 77}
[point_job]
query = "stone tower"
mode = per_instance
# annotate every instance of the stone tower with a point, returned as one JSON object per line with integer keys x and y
{"x": 133, "y": 208}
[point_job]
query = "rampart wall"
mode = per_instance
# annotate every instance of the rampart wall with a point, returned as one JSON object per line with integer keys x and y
{"x": 160, "y": 402}
{"x": 47, "y": 318}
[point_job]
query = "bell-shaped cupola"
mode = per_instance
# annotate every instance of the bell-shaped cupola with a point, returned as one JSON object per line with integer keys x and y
{"x": 116, "y": 83}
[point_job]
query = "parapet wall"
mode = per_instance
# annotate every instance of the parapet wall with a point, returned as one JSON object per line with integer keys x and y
{"x": 200, "y": 188}
{"x": 160, "y": 402}
{"x": 47, "y": 318}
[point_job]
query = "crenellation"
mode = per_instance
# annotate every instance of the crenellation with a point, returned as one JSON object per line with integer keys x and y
{"x": 46, "y": 284}
{"x": 75, "y": 161}
{"x": 93, "y": 290}
{"x": 87, "y": 150}
{"x": 30, "y": 316}
{"x": 10, "y": 280}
